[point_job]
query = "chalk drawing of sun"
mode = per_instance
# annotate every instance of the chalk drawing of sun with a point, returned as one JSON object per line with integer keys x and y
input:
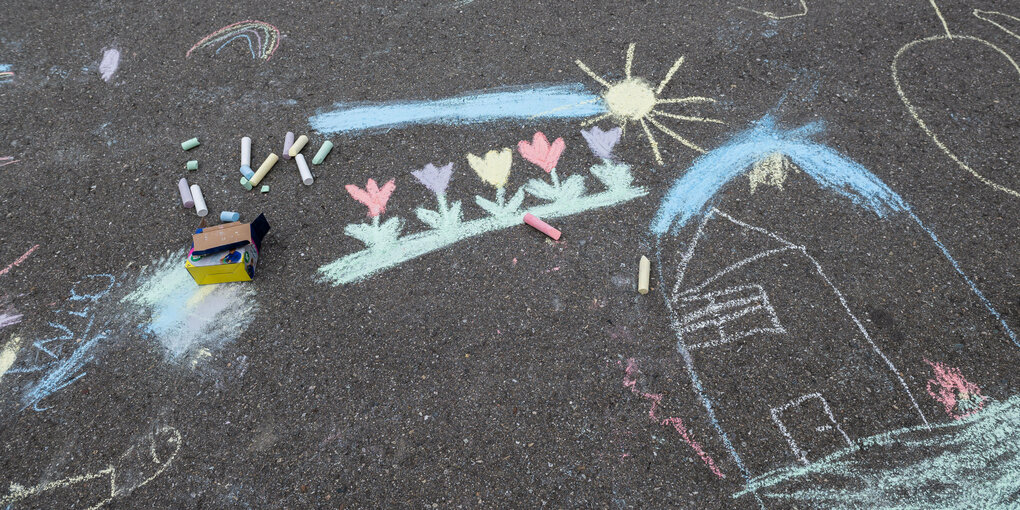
{"x": 635, "y": 99}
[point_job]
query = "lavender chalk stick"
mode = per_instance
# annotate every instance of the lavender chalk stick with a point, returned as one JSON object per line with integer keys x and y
{"x": 186, "y": 200}
{"x": 287, "y": 142}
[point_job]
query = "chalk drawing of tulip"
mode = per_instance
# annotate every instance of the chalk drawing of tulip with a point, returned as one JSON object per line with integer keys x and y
{"x": 960, "y": 397}
{"x": 602, "y": 142}
{"x": 375, "y": 199}
{"x": 546, "y": 155}
{"x": 494, "y": 168}
{"x": 436, "y": 179}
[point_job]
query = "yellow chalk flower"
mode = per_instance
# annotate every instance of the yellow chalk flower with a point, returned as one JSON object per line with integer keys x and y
{"x": 493, "y": 167}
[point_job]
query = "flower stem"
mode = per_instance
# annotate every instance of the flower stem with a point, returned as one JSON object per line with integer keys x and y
{"x": 501, "y": 197}
{"x": 555, "y": 179}
{"x": 375, "y": 221}
{"x": 441, "y": 197}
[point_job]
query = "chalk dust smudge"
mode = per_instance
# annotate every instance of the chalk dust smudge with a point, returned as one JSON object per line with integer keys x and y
{"x": 186, "y": 317}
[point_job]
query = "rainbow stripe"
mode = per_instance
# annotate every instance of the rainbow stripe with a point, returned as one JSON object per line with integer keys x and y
{"x": 267, "y": 38}
{"x": 6, "y": 75}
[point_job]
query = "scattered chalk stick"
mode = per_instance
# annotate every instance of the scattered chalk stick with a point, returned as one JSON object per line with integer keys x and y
{"x": 264, "y": 169}
{"x": 246, "y": 183}
{"x": 298, "y": 145}
{"x": 542, "y": 226}
{"x": 265, "y": 188}
{"x": 323, "y": 152}
{"x": 228, "y": 216}
{"x": 186, "y": 199}
{"x": 192, "y": 165}
{"x": 246, "y": 172}
{"x": 246, "y": 152}
{"x": 190, "y": 144}
{"x": 288, "y": 141}
{"x": 302, "y": 166}
{"x": 200, "y": 207}
{"x": 644, "y": 270}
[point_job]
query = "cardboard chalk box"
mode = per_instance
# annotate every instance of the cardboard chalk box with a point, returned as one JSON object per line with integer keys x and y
{"x": 226, "y": 253}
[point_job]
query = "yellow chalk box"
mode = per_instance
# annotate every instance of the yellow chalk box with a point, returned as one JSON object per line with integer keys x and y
{"x": 226, "y": 253}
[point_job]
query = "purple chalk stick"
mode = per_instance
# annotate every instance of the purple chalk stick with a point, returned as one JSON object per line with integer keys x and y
{"x": 186, "y": 199}
{"x": 287, "y": 142}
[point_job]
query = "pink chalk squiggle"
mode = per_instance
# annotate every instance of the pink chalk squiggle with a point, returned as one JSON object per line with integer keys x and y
{"x": 676, "y": 423}
{"x": 960, "y": 397}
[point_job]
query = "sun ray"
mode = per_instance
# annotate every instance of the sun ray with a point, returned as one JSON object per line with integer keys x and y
{"x": 687, "y": 118}
{"x": 651, "y": 142}
{"x": 592, "y": 73}
{"x": 673, "y": 134}
{"x": 669, "y": 76}
{"x": 630, "y": 60}
{"x": 592, "y": 120}
{"x": 684, "y": 100}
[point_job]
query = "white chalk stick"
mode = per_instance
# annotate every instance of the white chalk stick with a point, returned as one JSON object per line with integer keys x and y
{"x": 302, "y": 166}
{"x": 196, "y": 194}
{"x": 246, "y": 152}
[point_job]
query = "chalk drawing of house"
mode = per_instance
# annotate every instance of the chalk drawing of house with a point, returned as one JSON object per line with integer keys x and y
{"x": 786, "y": 362}
{"x": 775, "y": 354}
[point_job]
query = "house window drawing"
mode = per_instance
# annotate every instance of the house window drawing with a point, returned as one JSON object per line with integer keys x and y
{"x": 811, "y": 428}
{"x": 728, "y": 314}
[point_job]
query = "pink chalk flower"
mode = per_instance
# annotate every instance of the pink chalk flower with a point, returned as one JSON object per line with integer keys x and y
{"x": 541, "y": 152}
{"x": 372, "y": 196}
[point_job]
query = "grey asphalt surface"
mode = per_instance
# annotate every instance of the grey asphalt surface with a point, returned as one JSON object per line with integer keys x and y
{"x": 463, "y": 379}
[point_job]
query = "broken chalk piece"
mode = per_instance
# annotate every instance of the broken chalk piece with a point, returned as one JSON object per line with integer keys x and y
{"x": 265, "y": 188}
{"x": 542, "y": 226}
{"x": 246, "y": 152}
{"x": 302, "y": 166}
{"x": 323, "y": 152}
{"x": 287, "y": 142}
{"x": 264, "y": 168}
{"x": 192, "y": 165}
{"x": 644, "y": 269}
{"x": 186, "y": 199}
{"x": 298, "y": 145}
{"x": 228, "y": 216}
{"x": 200, "y": 207}
{"x": 190, "y": 144}
{"x": 246, "y": 183}
{"x": 246, "y": 172}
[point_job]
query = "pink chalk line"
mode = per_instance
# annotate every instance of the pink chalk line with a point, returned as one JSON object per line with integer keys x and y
{"x": 675, "y": 422}
{"x": 19, "y": 261}
{"x": 7, "y": 160}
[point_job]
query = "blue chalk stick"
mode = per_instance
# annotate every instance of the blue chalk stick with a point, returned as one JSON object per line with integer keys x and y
{"x": 230, "y": 216}
{"x": 246, "y": 171}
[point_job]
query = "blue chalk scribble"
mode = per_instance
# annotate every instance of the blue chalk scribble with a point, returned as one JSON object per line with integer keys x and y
{"x": 544, "y": 102}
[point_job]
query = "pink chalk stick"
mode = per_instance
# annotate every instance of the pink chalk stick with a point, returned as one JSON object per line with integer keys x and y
{"x": 186, "y": 199}
{"x": 287, "y": 142}
{"x": 544, "y": 227}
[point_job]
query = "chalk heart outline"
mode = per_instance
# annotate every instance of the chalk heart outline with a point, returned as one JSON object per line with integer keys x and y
{"x": 541, "y": 152}
{"x": 493, "y": 167}
{"x": 916, "y": 45}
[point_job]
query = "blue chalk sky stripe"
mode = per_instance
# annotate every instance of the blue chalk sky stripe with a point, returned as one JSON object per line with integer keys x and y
{"x": 521, "y": 103}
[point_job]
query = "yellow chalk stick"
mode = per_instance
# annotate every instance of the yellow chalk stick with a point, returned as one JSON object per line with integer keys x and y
{"x": 298, "y": 145}
{"x": 644, "y": 268}
{"x": 264, "y": 169}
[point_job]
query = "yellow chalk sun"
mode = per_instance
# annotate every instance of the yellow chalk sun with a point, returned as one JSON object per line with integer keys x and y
{"x": 634, "y": 99}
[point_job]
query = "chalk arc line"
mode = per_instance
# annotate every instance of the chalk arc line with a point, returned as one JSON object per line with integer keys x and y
{"x": 920, "y": 122}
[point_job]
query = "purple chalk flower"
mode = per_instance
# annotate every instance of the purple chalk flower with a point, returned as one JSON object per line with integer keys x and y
{"x": 602, "y": 142}
{"x": 435, "y": 179}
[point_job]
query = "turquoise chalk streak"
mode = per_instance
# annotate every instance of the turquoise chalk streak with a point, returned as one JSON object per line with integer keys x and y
{"x": 545, "y": 102}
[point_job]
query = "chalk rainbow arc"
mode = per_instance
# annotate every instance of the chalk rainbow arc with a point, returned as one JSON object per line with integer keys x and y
{"x": 267, "y": 38}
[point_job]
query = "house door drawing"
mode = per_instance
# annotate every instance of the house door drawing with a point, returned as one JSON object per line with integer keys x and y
{"x": 809, "y": 426}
